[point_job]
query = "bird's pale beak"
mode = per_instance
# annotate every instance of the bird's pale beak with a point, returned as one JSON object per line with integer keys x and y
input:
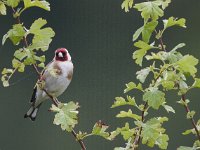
{"x": 60, "y": 54}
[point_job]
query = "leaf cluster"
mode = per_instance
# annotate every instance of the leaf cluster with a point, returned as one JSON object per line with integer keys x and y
{"x": 41, "y": 37}
{"x": 169, "y": 69}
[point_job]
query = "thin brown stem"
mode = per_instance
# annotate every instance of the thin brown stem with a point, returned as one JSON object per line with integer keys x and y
{"x": 161, "y": 42}
{"x": 138, "y": 137}
{"x": 54, "y": 100}
{"x": 79, "y": 140}
{"x": 192, "y": 119}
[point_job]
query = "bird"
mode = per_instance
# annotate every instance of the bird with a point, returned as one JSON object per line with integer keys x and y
{"x": 55, "y": 79}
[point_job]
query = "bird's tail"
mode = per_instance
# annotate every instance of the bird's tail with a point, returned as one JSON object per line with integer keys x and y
{"x": 32, "y": 112}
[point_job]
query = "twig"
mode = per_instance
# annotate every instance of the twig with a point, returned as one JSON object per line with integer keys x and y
{"x": 79, "y": 140}
{"x": 138, "y": 137}
{"x": 192, "y": 119}
{"x": 161, "y": 42}
{"x": 54, "y": 100}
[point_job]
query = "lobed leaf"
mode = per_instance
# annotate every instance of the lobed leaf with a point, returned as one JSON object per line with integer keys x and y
{"x": 18, "y": 65}
{"x": 142, "y": 74}
{"x": 131, "y": 85}
{"x": 140, "y": 53}
{"x": 37, "y": 3}
{"x": 100, "y": 130}
{"x": 128, "y": 114}
{"x": 154, "y": 97}
{"x": 66, "y": 115}
{"x": 150, "y": 9}
{"x": 120, "y": 101}
{"x": 127, "y": 4}
{"x": 20, "y": 54}
{"x": 174, "y": 22}
{"x": 42, "y": 37}
{"x": 153, "y": 133}
{"x": 15, "y": 34}
{"x": 187, "y": 64}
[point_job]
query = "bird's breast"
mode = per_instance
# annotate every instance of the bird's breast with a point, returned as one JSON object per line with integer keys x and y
{"x": 57, "y": 82}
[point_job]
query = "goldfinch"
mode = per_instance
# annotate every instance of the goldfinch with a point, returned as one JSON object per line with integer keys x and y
{"x": 55, "y": 79}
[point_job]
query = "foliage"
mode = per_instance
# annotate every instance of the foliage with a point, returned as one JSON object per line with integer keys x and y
{"x": 66, "y": 115}
{"x": 28, "y": 53}
{"x": 169, "y": 69}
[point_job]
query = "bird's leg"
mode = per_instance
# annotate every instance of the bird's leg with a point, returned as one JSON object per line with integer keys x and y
{"x": 56, "y": 101}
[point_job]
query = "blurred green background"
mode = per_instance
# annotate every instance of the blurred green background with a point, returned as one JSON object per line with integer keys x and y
{"x": 98, "y": 35}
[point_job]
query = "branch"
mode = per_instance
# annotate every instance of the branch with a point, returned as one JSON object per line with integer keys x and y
{"x": 138, "y": 137}
{"x": 79, "y": 140}
{"x": 55, "y": 101}
{"x": 192, "y": 119}
{"x": 161, "y": 42}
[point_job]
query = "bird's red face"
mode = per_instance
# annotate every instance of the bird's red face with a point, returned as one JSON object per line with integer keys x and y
{"x": 62, "y": 54}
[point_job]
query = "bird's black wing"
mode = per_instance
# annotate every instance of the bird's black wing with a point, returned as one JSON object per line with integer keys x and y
{"x": 33, "y": 97}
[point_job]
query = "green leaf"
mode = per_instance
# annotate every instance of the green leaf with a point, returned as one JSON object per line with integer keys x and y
{"x": 178, "y": 46}
{"x": 40, "y": 59}
{"x": 196, "y": 144}
{"x": 186, "y": 148}
{"x": 131, "y": 85}
{"x": 12, "y": 3}
{"x": 153, "y": 133}
{"x": 174, "y": 22}
{"x": 120, "y": 101}
{"x": 100, "y": 130}
{"x": 127, "y": 4}
{"x": 37, "y": 3}
{"x": 129, "y": 114}
{"x": 66, "y": 115}
{"x": 187, "y": 64}
{"x": 190, "y": 114}
{"x": 41, "y": 65}
{"x": 187, "y": 132}
{"x": 128, "y": 146}
{"x": 81, "y": 135}
{"x": 42, "y": 37}
{"x": 150, "y": 9}
{"x": 196, "y": 83}
{"x": 6, "y": 75}
{"x": 148, "y": 30}
{"x": 142, "y": 74}
{"x": 154, "y": 97}
{"x": 168, "y": 85}
{"x": 18, "y": 65}
{"x": 7, "y": 71}
{"x": 20, "y": 54}
{"x": 165, "y": 3}
{"x": 137, "y": 33}
{"x": 126, "y": 132}
{"x": 15, "y": 34}
{"x": 5, "y": 81}
{"x": 168, "y": 108}
{"x": 140, "y": 53}
{"x": 2, "y": 8}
